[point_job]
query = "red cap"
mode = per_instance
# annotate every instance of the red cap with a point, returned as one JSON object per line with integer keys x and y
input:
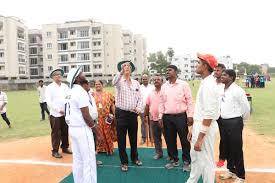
{"x": 210, "y": 59}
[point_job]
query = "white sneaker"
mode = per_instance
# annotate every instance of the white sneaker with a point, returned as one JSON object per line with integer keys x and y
{"x": 227, "y": 175}
{"x": 239, "y": 180}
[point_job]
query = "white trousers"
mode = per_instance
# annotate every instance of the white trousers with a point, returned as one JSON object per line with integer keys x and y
{"x": 84, "y": 159}
{"x": 202, "y": 162}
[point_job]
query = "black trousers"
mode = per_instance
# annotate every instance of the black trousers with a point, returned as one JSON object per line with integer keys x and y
{"x": 233, "y": 138}
{"x": 44, "y": 108}
{"x": 59, "y": 132}
{"x": 126, "y": 121}
{"x": 5, "y": 118}
{"x": 177, "y": 124}
{"x": 222, "y": 146}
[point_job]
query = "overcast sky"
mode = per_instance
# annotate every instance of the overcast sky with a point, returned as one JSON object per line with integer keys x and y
{"x": 244, "y": 29}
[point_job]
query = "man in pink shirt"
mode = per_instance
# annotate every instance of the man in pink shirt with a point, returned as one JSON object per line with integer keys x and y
{"x": 152, "y": 108}
{"x": 176, "y": 114}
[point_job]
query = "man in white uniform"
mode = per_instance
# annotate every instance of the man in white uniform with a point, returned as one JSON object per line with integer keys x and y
{"x": 55, "y": 98}
{"x": 42, "y": 99}
{"x": 234, "y": 110}
{"x": 81, "y": 128}
{"x": 205, "y": 125}
{"x": 3, "y": 108}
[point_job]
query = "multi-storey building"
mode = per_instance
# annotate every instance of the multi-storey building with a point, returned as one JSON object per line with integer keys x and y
{"x": 227, "y": 61}
{"x": 35, "y": 54}
{"x": 186, "y": 64}
{"x": 13, "y": 48}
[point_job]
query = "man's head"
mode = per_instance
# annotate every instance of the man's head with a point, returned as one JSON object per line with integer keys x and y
{"x": 158, "y": 80}
{"x": 98, "y": 85}
{"x": 40, "y": 82}
{"x": 85, "y": 85}
{"x": 206, "y": 63}
{"x": 218, "y": 71}
{"x": 145, "y": 79}
{"x": 228, "y": 76}
{"x": 80, "y": 78}
{"x": 171, "y": 72}
{"x": 127, "y": 68}
{"x": 56, "y": 75}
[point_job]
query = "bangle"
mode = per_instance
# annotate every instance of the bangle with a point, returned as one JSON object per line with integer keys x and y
{"x": 93, "y": 126}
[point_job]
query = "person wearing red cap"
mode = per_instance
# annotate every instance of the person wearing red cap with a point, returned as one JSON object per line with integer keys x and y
{"x": 205, "y": 126}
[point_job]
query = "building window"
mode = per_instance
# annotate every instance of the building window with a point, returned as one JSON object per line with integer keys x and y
{"x": 1, "y": 54}
{"x": 97, "y": 43}
{"x": 33, "y": 61}
{"x": 21, "y": 47}
{"x": 65, "y": 69}
{"x": 185, "y": 65}
{"x": 63, "y": 58}
{"x": 72, "y": 43}
{"x": 83, "y": 33}
{"x": 83, "y": 56}
{"x": 135, "y": 42}
{"x": 49, "y": 34}
{"x": 83, "y": 45}
{"x": 41, "y": 59}
{"x": 63, "y": 35}
{"x": 22, "y": 70}
{"x": 20, "y": 34}
{"x": 97, "y": 55}
{"x": 21, "y": 58}
{"x": 73, "y": 55}
{"x": 63, "y": 46}
{"x": 72, "y": 32}
{"x": 86, "y": 68}
{"x": 98, "y": 66}
{"x": 1, "y": 26}
{"x": 50, "y": 56}
{"x": 33, "y": 50}
{"x": 49, "y": 45}
{"x": 33, "y": 39}
{"x": 1, "y": 41}
{"x": 34, "y": 71}
{"x": 2, "y": 68}
{"x": 41, "y": 70}
{"x": 50, "y": 68}
{"x": 73, "y": 66}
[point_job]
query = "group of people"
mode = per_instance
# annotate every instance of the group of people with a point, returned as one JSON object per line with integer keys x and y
{"x": 255, "y": 81}
{"x": 95, "y": 119}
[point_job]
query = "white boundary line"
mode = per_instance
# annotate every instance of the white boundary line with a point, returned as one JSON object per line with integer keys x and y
{"x": 49, "y": 163}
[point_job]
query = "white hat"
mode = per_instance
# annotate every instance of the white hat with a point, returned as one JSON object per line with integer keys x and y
{"x": 73, "y": 73}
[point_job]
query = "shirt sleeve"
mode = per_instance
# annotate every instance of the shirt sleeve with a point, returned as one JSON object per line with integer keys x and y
{"x": 189, "y": 100}
{"x": 210, "y": 101}
{"x": 161, "y": 104}
{"x": 245, "y": 107}
{"x": 116, "y": 80}
{"x": 83, "y": 100}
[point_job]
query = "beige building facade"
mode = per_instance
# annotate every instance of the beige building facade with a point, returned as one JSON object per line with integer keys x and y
{"x": 13, "y": 48}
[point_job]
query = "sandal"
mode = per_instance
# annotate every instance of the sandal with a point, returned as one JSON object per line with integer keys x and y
{"x": 138, "y": 163}
{"x": 124, "y": 167}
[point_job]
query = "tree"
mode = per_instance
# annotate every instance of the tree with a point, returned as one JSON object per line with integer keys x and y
{"x": 158, "y": 62}
{"x": 170, "y": 53}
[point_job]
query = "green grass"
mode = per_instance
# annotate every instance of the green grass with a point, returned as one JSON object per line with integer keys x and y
{"x": 24, "y": 113}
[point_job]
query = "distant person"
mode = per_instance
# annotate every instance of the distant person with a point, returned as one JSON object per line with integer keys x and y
{"x": 145, "y": 88}
{"x": 262, "y": 80}
{"x": 42, "y": 99}
{"x": 233, "y": 123}
{"x": 3, "y": 107}
{"x": 55, "y": 97}
{"x": 252, "y": 81}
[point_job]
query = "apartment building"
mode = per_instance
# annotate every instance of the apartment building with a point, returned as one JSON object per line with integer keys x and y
{"x": 13, "y": 48}
{"x": 187, "y": 66}
{"x": 35, "y": 54}
{"x": 95, "y": 46}
{"x": 227, "y": 61}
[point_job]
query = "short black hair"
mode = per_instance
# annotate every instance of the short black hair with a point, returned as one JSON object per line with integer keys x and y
{"x": 222, "y": 66}
{"x": 173, "y": 67}
{"x": 84, "y": 82}
{"x": 231, "y": 73}
{"x": 159, "y": 75}
{"x": 40, "y": 81}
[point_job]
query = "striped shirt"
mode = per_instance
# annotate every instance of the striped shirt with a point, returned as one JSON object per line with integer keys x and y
{"x": 128, "y": 95}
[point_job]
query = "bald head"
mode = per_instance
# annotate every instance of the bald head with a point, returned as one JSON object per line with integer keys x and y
{"x": 145, "y": 79}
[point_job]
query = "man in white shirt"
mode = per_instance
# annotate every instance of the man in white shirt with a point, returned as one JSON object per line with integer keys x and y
{"x": 205, "y": 126}
{"x": 81, "y": 127}
{"x": 145, "y": 90}
{"x": 3, "y": 108}
{"x": 217, "y": 74}
{"x": 234, "y": 110}
{"x": 42, "y": 99}
{"x": 55, "y": 98}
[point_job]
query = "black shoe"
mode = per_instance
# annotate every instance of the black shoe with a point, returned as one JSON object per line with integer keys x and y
{"x": 56, "y": 155}
{"x": 67, "y": 151}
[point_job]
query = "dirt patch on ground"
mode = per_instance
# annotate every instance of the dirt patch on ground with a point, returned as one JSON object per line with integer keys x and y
{"x": 259, "y": 152}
